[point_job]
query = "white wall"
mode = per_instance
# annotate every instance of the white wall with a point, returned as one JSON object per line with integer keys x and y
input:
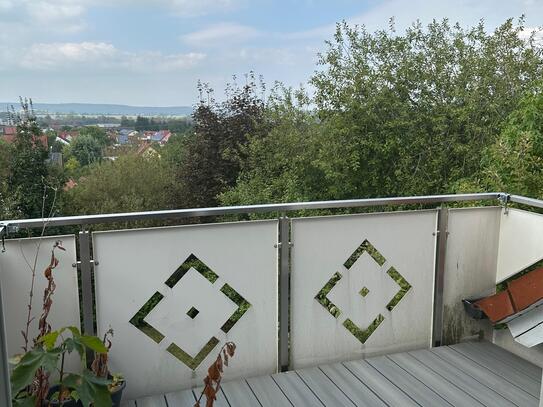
{"x": 135, "y": 264}
{"x": 322, "y": 245}
{"x": 470, "y": 268}
{"x": 15, "y": 275}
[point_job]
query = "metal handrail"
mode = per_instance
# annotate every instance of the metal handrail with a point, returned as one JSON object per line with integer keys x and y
{"x": 246, "y": 209}
{"x": 537, "y": 203}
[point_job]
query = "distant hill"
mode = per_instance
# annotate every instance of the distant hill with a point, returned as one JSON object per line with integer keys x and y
{"x": 104, "y": 109}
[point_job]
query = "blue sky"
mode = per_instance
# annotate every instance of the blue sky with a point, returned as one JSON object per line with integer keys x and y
{"x": 152, "y": 52}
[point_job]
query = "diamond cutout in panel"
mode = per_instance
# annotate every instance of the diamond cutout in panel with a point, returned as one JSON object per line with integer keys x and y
{"x": 191, "y": 263}
{"x": 362, "y": 334}
{"x": 364, "y": 291}
{"x": 193, "y": 312}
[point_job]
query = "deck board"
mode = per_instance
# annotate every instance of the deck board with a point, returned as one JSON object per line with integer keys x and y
{"x": 456, "y": 376}
{"x": 219, "y": 402}
{"x": 510, "y": 358}
{"x": 239, "y": 394}
{"x": 268, "y": 392}
{"x": 447, "y": 390}
{"x": 324, "y": 389}
{"x": 466, "y": 374}
{"x": 497, "y": 383}
{"x": 180, "y": 398}
{"x": 495, "y": 365}
{"x": 152, "y": 401}
{"x": 353, "y": 388}
{"x": 379, "y": 384}
{"x": 410, "y": 385}
{"x": 296, "y": 390}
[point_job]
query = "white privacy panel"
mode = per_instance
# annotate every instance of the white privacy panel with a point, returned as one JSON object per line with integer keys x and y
{"x": 470, "y": 268}
{"x": 173, "y": 295}
{"x": 521, "y": 242}
{"x": 361, "y": 285}
{"x": 16, "y": 276}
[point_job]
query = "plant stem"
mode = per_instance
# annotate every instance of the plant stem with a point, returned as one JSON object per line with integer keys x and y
{"x": 61, "y": 376}
{"x": 33, "y": 267}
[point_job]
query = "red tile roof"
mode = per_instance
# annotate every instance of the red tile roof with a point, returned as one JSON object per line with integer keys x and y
{"x": 520, "y": 294}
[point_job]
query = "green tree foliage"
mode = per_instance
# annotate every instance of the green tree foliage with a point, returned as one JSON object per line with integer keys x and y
{"x": 282, "y": 166}
{"x": 514, "y": 163}
{"x": 96, "y": 133}
{"x": 210, "y": 159}
{"x": 130, "y": 183}
{"x": 86, "y": 149}
{"x": 8, "y": 200}
{"x": 28, "y": 173}
{"x": 411, "y": 114}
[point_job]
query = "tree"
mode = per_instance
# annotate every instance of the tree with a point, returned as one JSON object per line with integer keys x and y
{"x": 28, "y": 173}
{"x": 282, "y": 166}
{"x": 411, "y": 114}
{"x": 130, "y": 183}
{"x": 210, "y": 160}
{"x": 86, "y": 149}
{"x": 8, "y": 201}
{"x": 96, "y": 133}
{"x": 142, "y": 123}
{"x": 514, "y": 163}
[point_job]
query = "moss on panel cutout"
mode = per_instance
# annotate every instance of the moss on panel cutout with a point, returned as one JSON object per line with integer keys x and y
{"x": 138, "y": 320}
{"x": 362, "y": 334}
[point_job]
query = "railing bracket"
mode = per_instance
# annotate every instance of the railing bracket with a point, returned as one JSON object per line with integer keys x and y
{"x": 78, "y": 263}
{"x": 504, "y": 200}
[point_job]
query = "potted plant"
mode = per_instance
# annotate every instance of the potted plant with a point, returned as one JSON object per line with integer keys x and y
{"x": 44, "y": 358}
{"x": 100, "y": 369}
{"x": 32, "y": 371}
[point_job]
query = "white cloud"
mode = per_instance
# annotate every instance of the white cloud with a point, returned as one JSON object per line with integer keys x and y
{"x": 536, "y": 32}
{"x": 190, "y": 8}
{"x": 405, "y": 12}
{"x": 57, "y": 55}
{"x": 220, "y": 34}
{"x": 52, "y": 11}
{"x": 100, "y": 56}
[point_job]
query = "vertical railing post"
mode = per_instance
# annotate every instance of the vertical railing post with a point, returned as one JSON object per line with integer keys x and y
{"x": 86, "y": 286}
{"x": 439, "y": 280}
{"x": 284, "y": 292}
{"x": 5, "y": 390}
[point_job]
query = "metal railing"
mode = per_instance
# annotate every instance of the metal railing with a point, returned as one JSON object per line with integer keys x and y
{"x": 247, "y": 209}
{"x": 86, "y": 262}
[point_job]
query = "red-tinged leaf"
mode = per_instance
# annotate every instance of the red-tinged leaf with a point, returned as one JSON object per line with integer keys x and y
{"x": 210, "y": 394}
{"x": 225, "y": 357}
{"x": 219, "y": 363}
{"x": 213, "y": 372}
{"x": 231, "y": 348}
{"x": 48, "y": 272}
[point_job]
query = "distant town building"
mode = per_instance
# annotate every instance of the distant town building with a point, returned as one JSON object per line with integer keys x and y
{"x": 146, "y": 150}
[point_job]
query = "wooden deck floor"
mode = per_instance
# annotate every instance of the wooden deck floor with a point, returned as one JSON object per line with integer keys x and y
{"x": 467, "y": 374}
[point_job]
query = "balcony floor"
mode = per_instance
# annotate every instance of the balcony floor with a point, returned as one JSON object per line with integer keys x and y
{"x": 466, "y": 374}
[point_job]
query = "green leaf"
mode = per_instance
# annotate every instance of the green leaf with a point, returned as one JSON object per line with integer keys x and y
{"x": 25, "y": 370}
{"x": 25, "y": 402}
{"x": 50, "y": 339}
{"x": 75, "y": 332}
{"x": 91, "y": 389}
{"x": 93, "y": 343}
{"x": 74, "y": 344}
